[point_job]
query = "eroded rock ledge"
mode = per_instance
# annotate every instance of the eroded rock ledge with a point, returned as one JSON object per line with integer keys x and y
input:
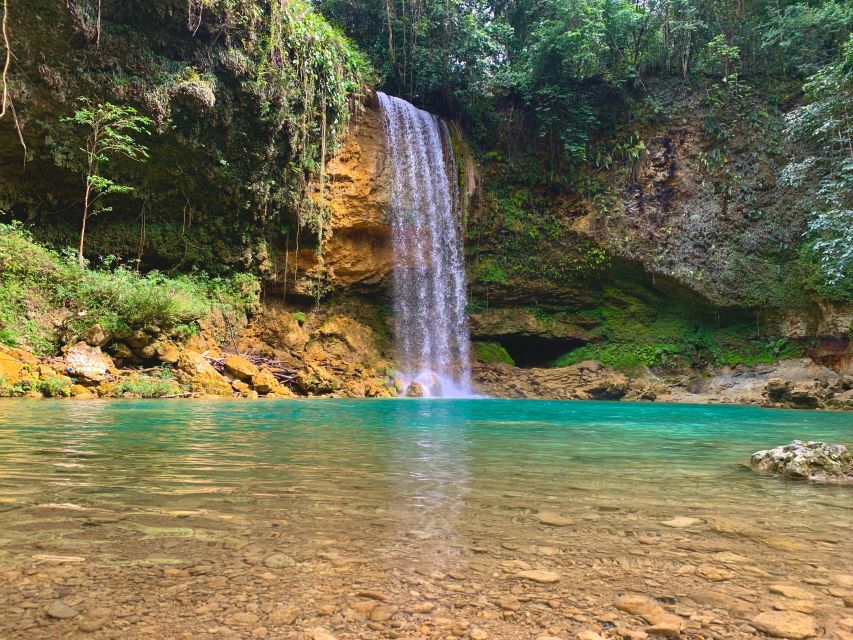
{"x": 798, "y": 384}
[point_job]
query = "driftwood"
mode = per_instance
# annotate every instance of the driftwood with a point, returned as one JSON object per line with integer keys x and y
{"x": 276, "y": 367}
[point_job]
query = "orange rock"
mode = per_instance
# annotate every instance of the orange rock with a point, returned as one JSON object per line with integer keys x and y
{"x": 200, "y": 374}
{"x": 240, "y": 368}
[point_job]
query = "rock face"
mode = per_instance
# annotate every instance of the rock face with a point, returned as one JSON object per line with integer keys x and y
{"x": 813, "y": 461}
{"x": 582, "y": 381}
{"x": 356, "y": 192}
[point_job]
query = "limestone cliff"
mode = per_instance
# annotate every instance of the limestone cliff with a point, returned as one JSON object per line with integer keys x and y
{"x": 355, "y": 192}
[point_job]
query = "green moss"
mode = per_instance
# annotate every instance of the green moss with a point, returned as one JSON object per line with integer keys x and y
{"x": 492, "y": 353}
{"x": 640, "y": 328}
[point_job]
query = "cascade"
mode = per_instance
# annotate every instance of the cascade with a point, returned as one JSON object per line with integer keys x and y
{"x": 431, "y": 325}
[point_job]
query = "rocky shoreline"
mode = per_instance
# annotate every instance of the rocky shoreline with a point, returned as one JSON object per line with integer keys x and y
{"x": 339, "y": 363}
{"x": 796, "y": 384}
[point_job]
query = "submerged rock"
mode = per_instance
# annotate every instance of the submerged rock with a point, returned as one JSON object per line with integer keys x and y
{"x": 813, "y": 461}
{"x": 785, "y": 624}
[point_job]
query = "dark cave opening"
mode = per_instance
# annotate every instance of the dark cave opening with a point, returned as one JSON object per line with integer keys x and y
{"x": 536, "y": 351}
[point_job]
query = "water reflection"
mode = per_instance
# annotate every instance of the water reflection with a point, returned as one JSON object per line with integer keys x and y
{"x": 388, "y": 497}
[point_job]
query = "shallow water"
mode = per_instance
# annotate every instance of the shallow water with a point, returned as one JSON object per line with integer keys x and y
{"x": 174, "y": 519}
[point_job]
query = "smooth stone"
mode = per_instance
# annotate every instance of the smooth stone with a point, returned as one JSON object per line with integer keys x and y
{"x": 803, "y": 606}
{"x": 243, "y": 618}
{"x": 589, "y": 635}
{"x": 539, "y": 575}
{"x": 321, "y": 634}
{"x": 681, "y": 522}
{"x": 790, "y": 591}
{"x": 382, "y": 613}
{"x": 553, "y": 519}
{"x": 669, "y": 628}
{"x": 714, "y": 574}
{"x": 58, "y": 609}
{"x": 90, "y": 625}
{"x": 278, "y": 561}
{"x": 785, "y": 624}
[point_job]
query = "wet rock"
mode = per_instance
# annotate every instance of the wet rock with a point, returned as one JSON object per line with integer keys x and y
{"x": 240, "y": 368}
{"x": 58, "y": 609}
{"x": 414, "y": 390}
{"x": 553, "y": 519}
{"x": 813, "y": 461}
{"x": 87, "y": 363}
{"x": 785, "y": 624}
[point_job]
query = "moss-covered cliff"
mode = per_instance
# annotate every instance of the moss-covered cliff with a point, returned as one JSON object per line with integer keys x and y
{"x": 247, "y": 98}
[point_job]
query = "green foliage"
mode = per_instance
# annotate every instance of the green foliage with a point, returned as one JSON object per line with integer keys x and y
{"x": 147, "y": 387}
{"x": 248, "y": 99}
{"x": 492, "y": 353}
{"x": 825, "y": 125}
{"x": 38, "y": 285}
{"x": 109, "y": 131}
{"x": 636, "y": 331}
{"x": 54, "y": 387}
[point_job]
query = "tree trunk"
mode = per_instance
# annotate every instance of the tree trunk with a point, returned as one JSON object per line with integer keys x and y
{"x": 80, "y": 258}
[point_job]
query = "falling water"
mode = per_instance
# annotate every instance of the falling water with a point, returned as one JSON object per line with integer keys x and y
{"x": 429, "y": 273}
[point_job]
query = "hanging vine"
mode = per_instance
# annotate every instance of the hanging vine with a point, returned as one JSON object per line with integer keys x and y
{"x": 8, "y": 61}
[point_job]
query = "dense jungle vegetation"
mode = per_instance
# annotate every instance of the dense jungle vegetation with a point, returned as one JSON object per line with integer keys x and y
{"x": 232, "y": 107}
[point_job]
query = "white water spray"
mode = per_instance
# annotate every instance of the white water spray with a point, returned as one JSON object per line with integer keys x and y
{"x": 433, "y": 345}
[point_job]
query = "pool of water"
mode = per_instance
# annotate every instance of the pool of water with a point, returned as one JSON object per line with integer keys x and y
{"x": 410, "y": 519}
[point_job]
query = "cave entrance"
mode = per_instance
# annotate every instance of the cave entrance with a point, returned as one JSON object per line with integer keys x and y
{"x": 536, "y": 351}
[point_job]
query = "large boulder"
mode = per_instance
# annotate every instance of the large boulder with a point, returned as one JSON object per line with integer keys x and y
{"x": 813, "y": 461}
{"x": 240, "y": 368}
{"x": 200, "y": 375}
{"x": 11, "y": 366}
{"x": 87, "y": 363}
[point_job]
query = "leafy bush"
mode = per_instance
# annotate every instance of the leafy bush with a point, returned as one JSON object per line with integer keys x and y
{"x": 154, "y": 387}
{"x": 39, "y": 286}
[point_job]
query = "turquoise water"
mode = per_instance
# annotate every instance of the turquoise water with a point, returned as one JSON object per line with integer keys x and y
{"x": 385, "y": 495}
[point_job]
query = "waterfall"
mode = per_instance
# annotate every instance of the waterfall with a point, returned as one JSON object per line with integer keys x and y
{"x": 431, "y": 326}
